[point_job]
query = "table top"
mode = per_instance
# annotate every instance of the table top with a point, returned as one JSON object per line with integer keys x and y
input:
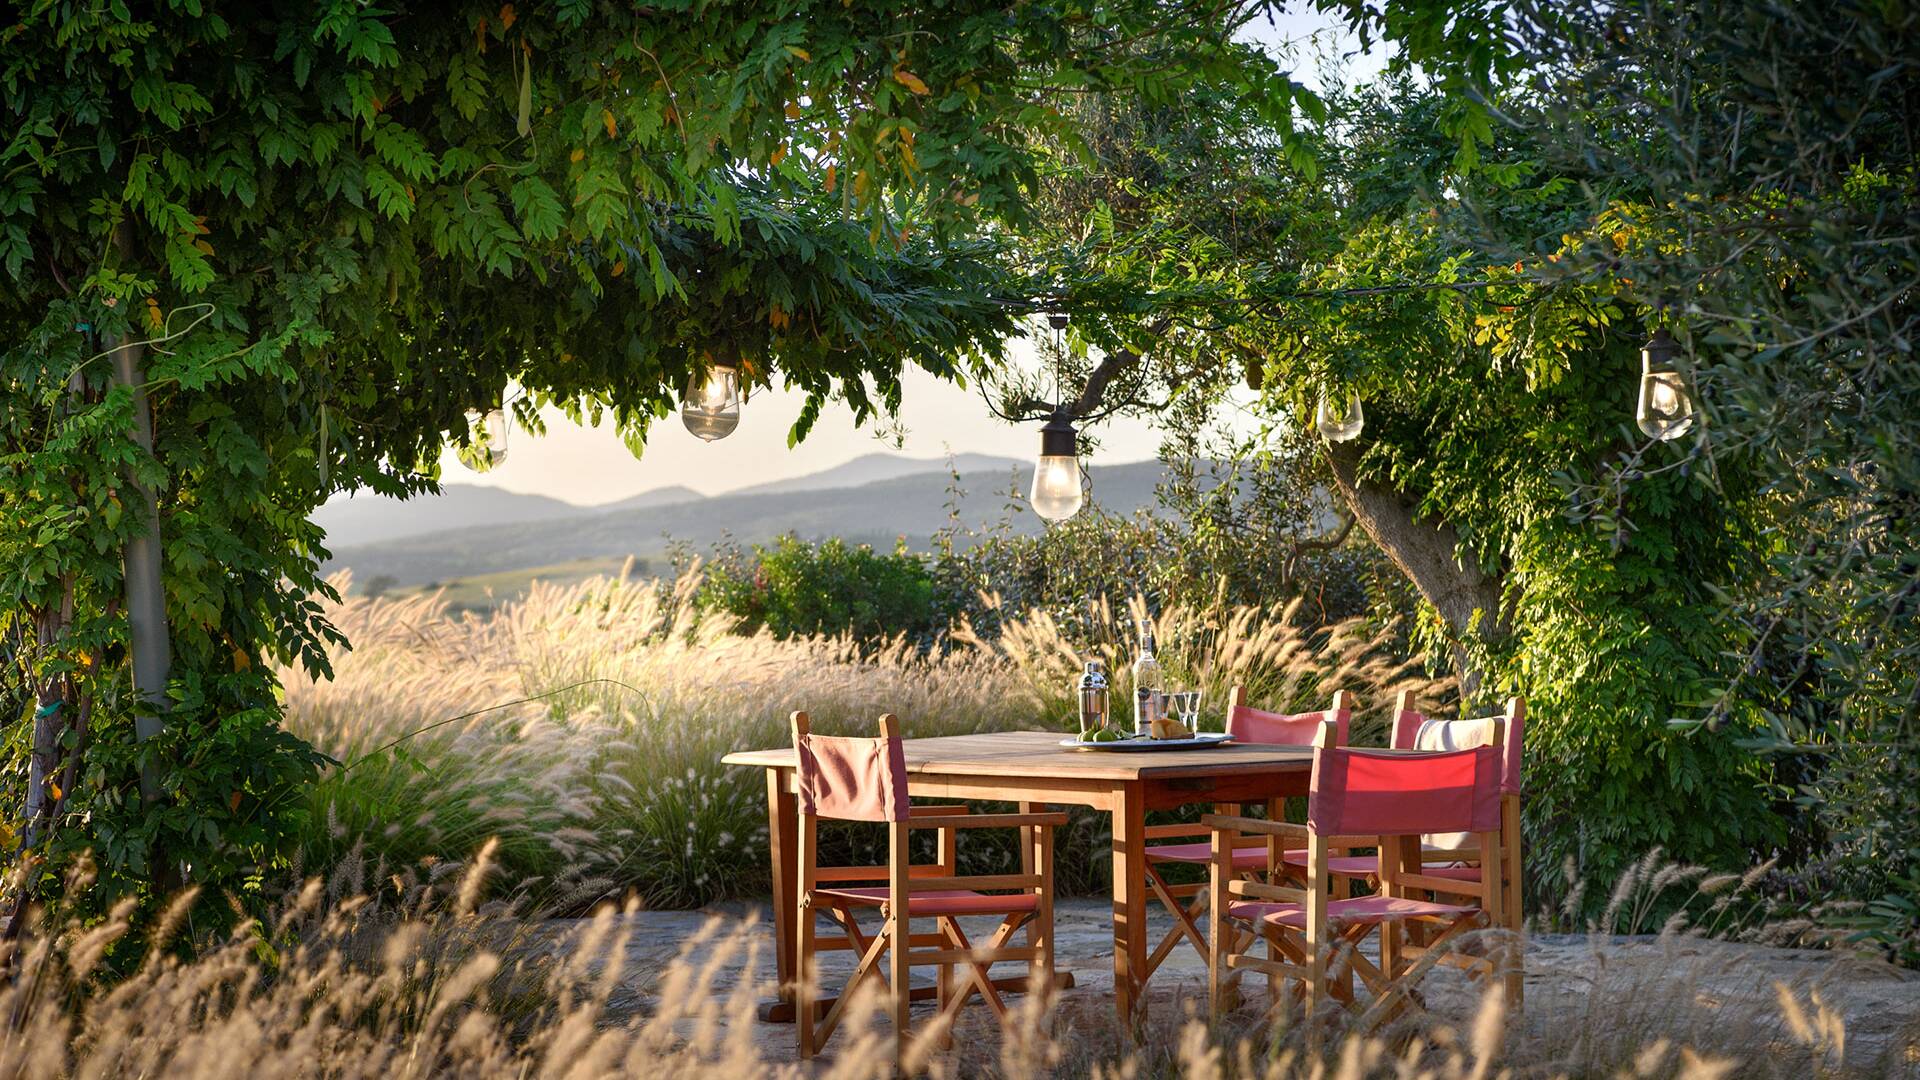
{"x": 1039, "y": 754}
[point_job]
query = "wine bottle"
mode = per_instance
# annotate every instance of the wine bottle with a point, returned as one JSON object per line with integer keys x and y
{"x": 1146, "y": 684}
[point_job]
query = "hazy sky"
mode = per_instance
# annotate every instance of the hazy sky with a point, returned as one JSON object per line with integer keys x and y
{"x": 587, "y": 465}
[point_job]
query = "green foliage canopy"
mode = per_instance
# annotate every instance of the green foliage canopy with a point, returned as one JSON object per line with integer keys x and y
{"x": 331, "y": 230}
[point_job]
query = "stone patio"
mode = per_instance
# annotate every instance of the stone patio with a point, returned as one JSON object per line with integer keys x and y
{"x": 1589, "y": 1000}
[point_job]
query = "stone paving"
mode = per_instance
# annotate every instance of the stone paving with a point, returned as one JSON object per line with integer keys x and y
{"x": 1582, "y": 993}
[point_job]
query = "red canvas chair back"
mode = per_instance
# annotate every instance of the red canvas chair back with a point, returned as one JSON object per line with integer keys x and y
{"x": 852, "y": 779}
{"x": 1252, "y": 725}
{"x": 1413, "y": 730}
{"x": 1378, "y": 793}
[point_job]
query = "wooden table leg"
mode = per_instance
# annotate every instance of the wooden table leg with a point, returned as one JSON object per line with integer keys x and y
{"x": 1026, "y": 867}
{"x": 1129, "y": 899}
{"x": 783, "y": 818}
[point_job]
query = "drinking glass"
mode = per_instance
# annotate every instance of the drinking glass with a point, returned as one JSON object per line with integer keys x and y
{"x": 1186, "y": 709}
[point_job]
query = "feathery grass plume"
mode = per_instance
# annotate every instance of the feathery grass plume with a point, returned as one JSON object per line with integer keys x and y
{"x": 581, "y": 727}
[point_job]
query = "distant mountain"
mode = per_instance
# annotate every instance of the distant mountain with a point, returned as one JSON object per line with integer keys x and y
{"x": 665, "y": 496}
{"x": 872, "y": 468}
{"x": 367, "y": 518}
{"x": 913, "y": 506}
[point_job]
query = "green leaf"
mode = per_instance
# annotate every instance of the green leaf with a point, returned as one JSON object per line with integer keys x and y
{"x": 467, "y": 84}
{"x": 389, "y": 194}
{"x": 538, "y": 207}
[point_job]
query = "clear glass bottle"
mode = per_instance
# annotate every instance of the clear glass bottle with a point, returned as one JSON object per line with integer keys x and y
{"x": 1093, "y": 698}
{"x": 1147, "y": 684}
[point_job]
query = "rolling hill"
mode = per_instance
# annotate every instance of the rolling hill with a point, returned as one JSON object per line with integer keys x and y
{"x": 913, "y": 506}
{"x": 367, "y": 518}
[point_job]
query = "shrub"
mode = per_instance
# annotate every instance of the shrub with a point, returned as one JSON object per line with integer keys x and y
{"x": 797, "y": 588}
{"x": 1224, "y": 534}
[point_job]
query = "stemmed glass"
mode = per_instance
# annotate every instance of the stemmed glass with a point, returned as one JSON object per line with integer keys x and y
{"x": 1186, "y": 709}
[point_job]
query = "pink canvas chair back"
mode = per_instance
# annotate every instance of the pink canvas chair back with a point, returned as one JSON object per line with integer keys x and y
{"x": 1377, "y": 793}
{"x": 850, "y": 779}
{"x": 1252, "y": 725}
{"x": 1416, "y": 731}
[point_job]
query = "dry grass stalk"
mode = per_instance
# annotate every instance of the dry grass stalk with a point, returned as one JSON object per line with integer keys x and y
{"x": 365, "y": 989}
{"x": 601, "y": 772}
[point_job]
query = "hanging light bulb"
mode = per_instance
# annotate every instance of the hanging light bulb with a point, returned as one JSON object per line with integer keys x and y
{"x": 711, "y": 409}
{"x": 486, "y": 439}
{"x": 1057, "y": 493}
{"x": 1666, "y": 409}
{"x": 1341, "y": 425}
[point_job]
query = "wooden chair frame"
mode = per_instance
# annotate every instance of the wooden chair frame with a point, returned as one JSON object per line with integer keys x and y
{"x": 1188, "y": 903}
{"x": 1323, "y": 959}
{"x": 1511, "y": 848}
{"x": 948, "y": 947}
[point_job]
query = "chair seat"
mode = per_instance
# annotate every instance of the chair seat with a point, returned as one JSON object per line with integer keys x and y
{"x": 1245, "y": 858}
{"x": 1368, "y": 866}
{"x": 1364, "y": 909}
{"x": 933, "y": 903}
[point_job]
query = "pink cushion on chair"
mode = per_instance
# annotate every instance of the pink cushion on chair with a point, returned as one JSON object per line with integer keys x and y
{"x": 1363, "y": 909}
{"x": 1244, "y": 857}
{"x": 852, "y": 779}
{"x": 1375, "y": 793}
{"x": 1285, "y": 729}
{"x": 933, "y": 903}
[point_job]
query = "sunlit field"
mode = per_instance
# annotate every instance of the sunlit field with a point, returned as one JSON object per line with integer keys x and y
{"x": 582, "y": 728}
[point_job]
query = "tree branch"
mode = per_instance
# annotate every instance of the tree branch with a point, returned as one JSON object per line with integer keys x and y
{"x": 1427, "y": 551}
{"x": 1092, "y": 394}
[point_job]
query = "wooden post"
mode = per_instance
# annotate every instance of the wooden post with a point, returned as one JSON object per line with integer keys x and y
{"x": 1512, "y": 868}
{"x": 1220, "y": 872}
{"x": 900, "y": 931}
{"x": 804, "y": 837}
{"x": 1129, "y": 900}
{"x": 1032, "y": 862}
{"x": 1040, "y": 931}
{"x": 900, "y": 917}
{"x": 783, "y": 842}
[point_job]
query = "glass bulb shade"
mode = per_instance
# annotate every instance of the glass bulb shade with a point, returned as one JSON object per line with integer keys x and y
{"x": 711, "y": 409}
{"x": 486, "y": 439}
{"x": 1057, "y": 494}
{"x": 1341, "y": 425}
{"x": 1666, "y": 409}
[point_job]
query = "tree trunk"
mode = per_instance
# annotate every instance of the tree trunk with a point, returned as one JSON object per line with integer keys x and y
{"x": 152, "y": 650}
{"x": 49, "y": 699}
{"x": 1425, "y": 550}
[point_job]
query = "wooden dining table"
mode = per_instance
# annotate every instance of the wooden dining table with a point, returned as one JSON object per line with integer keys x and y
{"x": 1032, "y": 769}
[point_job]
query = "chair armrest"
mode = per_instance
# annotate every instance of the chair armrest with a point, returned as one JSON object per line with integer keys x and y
{"x": 1174, "y": 832}
{"x": 1223, "y": 822}
{"x": 938, "y": 811}
{"x": 987, "y": 821}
